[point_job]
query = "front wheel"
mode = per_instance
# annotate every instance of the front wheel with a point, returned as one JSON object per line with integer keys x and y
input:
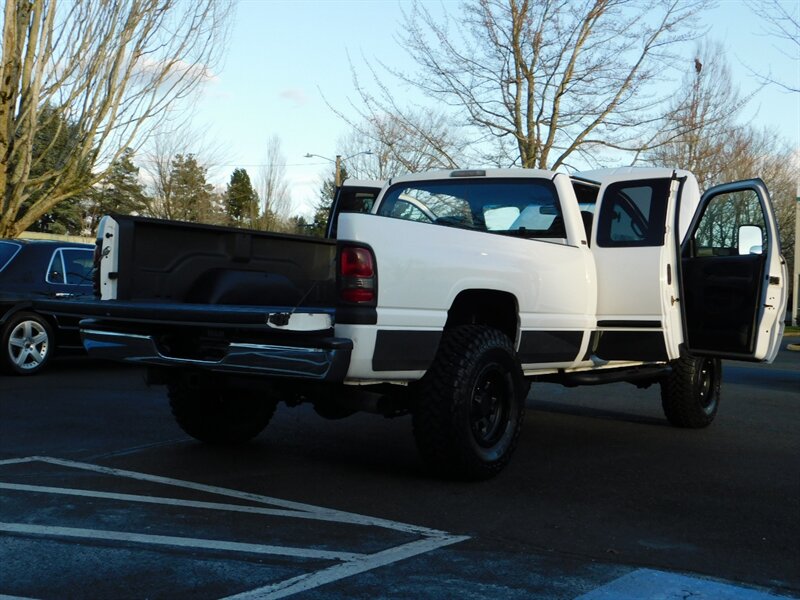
{"x": 471, "y": 404}
{"x": 218, "y": 416}
{"x": 27, "y": 344}
{"x": 690, "y": 393}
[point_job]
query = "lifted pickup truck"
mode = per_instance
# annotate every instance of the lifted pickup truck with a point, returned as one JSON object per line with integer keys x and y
{"x": 445, "y": 300}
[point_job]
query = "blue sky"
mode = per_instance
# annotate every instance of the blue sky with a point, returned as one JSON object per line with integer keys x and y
{"x": 283, "y": 55}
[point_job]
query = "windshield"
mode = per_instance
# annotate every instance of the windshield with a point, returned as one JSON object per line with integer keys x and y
{"x": 527, "y": 207}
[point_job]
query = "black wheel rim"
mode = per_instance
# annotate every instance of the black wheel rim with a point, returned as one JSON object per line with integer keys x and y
{"x": 706, "y": 375}
{"x": 492, "y": 399}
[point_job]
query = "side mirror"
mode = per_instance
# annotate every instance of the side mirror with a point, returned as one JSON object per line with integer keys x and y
{"x": 750, "y": 240}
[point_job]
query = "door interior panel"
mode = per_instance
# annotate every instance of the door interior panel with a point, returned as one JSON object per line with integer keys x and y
{"x": 721, "y": 297}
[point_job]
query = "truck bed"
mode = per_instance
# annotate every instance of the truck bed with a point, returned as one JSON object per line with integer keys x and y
{"x": 217, "y": 298}
{"x": 176, "y": 262}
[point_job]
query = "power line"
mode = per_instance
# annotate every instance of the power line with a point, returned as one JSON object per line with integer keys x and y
{"x": 303, "y": 164}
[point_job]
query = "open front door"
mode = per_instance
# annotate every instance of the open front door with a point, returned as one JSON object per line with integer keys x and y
{"x": 733, "y": 277}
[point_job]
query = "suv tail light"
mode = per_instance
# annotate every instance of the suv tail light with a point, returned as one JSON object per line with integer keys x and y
{"x": 358, "y": 277}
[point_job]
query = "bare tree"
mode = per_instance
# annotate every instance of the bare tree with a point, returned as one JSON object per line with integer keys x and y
{"x": 701, "y": 119}
{"x": 108, "y": 70}
{"x": 401, "y": 139}
{"x": 782, "y": 25}
{"x": 384, "y": 145}
{"x": 717, "y": 148}
{"x": 750, "y": 152}
{"x": 273, "y": 189}
{"x": 543, "y": 79}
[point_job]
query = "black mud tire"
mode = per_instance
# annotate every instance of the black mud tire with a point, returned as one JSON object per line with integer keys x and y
{"x": 471, "y": 404}
{"x": 690, "y": 393}
{"x": 218, "y": 416}
{"x": 27, "y": 344}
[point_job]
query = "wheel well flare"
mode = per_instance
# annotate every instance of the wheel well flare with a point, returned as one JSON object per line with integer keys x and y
{"x": 485, "y": 307}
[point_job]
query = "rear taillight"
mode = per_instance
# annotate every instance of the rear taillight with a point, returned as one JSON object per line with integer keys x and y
{"x": 358, "y": 280}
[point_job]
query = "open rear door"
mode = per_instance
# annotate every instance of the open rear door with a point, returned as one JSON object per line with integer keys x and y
{"x": 733, "y": 277}
{"x": 351, "y": 196}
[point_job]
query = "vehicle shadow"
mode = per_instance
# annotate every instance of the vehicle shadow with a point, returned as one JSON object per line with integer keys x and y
{"x": 595, "y": 413}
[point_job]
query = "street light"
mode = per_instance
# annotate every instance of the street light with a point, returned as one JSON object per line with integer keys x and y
{"x": 337, "y": 177}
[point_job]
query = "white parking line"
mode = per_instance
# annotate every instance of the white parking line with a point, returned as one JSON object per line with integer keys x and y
{"x": 169, "y": 540}
{"x": 318, "y": 512}
{"x": 310, "y": 581}
{"x": 254, "y": 510}
{"x": 349, "y": 563}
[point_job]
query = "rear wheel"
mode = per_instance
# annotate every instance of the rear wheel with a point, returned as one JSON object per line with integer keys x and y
{"x": 690, "y": 393}
{"x": 27, "y": 344}
{"x": 471, "y": 404}
{"x": 218, "y": 416}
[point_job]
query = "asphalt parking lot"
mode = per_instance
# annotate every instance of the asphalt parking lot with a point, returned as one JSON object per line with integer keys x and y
{"x": 103, "y": 496}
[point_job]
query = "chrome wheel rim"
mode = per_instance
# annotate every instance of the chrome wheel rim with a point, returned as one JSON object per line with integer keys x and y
{"x": 28, "y": 345}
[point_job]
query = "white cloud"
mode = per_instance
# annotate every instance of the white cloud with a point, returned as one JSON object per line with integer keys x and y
{"x": 148, "y": 68}
{"x": 296, "y": 96}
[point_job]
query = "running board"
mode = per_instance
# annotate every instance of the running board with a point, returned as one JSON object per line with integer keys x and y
{"x": 641, "y": 376}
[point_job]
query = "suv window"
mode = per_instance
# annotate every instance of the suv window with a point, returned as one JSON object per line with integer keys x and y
{"x": 8, "y": 250}
{"x": 523, "y": 207}
{"x": 78, "y": 264}
{"x": 70, "y": 266}
{"x": 633, "y": 213}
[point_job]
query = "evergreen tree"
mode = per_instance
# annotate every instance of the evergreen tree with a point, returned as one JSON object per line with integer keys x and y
{"x": 120, "y": 191}
{"x": 322, "y": 210}
{"x": 188, "y": 195}
{"x": 298, "y": 224}
{"x": 241, "y": 200}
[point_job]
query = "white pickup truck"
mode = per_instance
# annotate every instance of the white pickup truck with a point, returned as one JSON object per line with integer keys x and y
{"x": 445, "y": 299}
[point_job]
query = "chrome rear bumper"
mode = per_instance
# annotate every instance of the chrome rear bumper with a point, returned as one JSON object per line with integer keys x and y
{"x": 324, "y": 360}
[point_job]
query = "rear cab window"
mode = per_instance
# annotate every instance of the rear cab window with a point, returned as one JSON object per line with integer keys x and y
{"x": 520, "y": 207}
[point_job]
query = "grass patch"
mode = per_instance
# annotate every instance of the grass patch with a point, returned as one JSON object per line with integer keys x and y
{"x": 791, "y": 330}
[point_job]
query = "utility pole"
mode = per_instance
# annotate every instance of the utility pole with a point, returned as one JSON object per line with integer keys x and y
{"x": 337, "y": 176}
{"x": 796, "y": 274}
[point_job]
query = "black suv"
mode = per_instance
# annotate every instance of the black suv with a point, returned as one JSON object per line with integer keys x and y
{"x": 33, "y": 269}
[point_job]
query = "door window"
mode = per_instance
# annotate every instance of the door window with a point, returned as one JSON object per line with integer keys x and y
{"x": 633, "y": 214}
{"x": 70, "y": 266}
{"x": 78, "y": 265}
{"x": 350, "y": 199}
{"x": 732, "y": 225}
